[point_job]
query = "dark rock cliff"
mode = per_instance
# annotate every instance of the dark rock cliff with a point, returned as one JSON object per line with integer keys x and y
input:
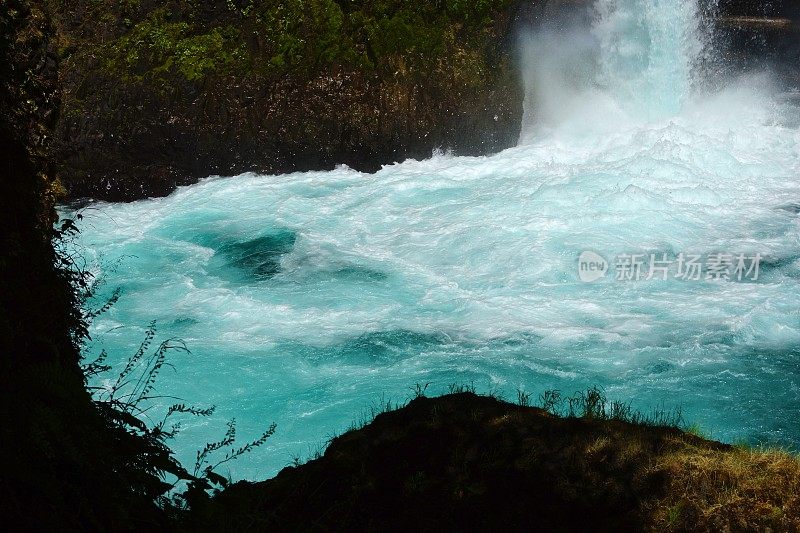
{"x": 63, "y": 466}
{"x": 755, "y": 35}
{"x": 468, "y": 463}
{"x": 159, "y": 94}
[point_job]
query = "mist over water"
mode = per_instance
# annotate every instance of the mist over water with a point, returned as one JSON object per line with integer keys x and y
{"x": 623, "y": 61}
{"x": 306, "y": 297}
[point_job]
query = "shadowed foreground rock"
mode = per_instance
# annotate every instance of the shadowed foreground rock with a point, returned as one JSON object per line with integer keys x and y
{"x": 466, "y": 462}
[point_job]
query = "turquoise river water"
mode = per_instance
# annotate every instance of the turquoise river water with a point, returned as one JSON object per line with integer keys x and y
{"x": 305, "y": 298}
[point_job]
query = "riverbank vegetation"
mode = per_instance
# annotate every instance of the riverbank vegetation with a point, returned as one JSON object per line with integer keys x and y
{"x": 469, "y": 462}
{"x": 72, "y": 462}
{"x": 139, "y": 39}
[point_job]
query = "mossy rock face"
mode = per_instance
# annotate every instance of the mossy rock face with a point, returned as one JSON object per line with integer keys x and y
{"x": 155, "y": 47}
{"x": 163, "y": 93}
{"x": 159, "y": 94}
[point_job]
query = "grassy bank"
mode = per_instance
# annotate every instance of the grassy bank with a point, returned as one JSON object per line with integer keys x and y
{"x": 470, "y": 462}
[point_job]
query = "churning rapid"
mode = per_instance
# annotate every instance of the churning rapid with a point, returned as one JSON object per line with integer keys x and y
{"x": 305, "y": 298}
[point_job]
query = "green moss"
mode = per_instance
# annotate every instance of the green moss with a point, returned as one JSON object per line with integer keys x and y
{"x": 304, "y": 36}
{"x": 273, "y": 38}
{"x": 406, "y": 32}
{"x": 474, "y": 11}
{"x": 156, "y": 47}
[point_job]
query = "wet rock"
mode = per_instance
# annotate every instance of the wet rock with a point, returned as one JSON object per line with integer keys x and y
{"x": 164, "y": 94}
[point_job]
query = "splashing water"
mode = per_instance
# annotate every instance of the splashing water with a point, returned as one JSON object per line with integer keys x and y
{"x": 648, "y": 50}
{"x": 636, "y": 61}
{"x": 307, "y": 297}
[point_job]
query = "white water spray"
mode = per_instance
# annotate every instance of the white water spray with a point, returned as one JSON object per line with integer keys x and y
{"x": 632, "y": 61}
{"x": 306, "y": 297}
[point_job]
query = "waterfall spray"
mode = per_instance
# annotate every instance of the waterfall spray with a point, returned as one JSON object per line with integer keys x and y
{"x": 312, "y": 294}
{"x": 631, "y": 60}
{"x": 647, "y": 52}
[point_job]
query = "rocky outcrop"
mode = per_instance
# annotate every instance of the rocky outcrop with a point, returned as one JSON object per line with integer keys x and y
{"x": 159, "y": 94}
{"x": 64, "y": 467}
{"x": 163, "y": 93}
{"x": 760, "y": 35}
{"x": 35, "y": 302}
{"x": 469, "y": 463}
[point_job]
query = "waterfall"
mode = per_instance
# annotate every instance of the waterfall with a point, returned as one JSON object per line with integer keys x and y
{"x": 305, "y": 297}
{"x": 647, "y": 51}
{"x": 630, "y": 60}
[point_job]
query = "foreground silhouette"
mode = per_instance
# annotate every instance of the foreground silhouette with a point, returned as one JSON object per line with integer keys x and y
{"x": 468, "y": 462}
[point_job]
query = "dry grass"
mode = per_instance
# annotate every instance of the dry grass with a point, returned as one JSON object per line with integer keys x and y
{"x": 726, "y": 490}
{"x": 469, "y": 462}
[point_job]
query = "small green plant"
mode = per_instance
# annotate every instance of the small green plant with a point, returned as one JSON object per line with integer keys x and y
{"x": 373, "y": 411}
{"x": 593, "y": 404}
{"x": 659, "y": 417}
{"x": 620, "y": 410}
{"x": 495, "y": 395}
{"x": 127, "y": 401}
{"x": 589, "y": 404}
{"x": 550, "y": 401}
{"x": 204, "y": 475}
{"x": 523, "y": 398}
{"x": 296, "y": 460}
{"x": 674, "y": 513}
{"x": 455, "y": 388}
{"x": 697, "y": 431}
{"x": 419, "y": 389}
